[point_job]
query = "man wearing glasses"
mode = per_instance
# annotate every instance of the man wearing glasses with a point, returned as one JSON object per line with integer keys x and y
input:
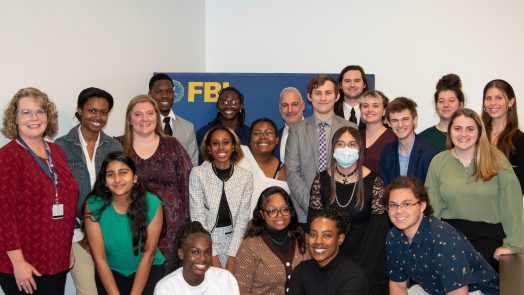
{"x": 430, "y": 252}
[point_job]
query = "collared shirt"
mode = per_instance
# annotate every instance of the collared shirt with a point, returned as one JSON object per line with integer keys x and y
{"x": 283, "y": 142}
{"x": 172, "y": 118}
{"x": 327, "y": 128}
{"x": 90, "y": 162}
{"x": 439, "y": 258}
{"x": 403, "y": 161}
{"x": 347, "y": 111}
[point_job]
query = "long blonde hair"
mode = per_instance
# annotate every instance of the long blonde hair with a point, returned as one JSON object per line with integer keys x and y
{"x": 488, "y": 159}
{"x": 127, "y": 140}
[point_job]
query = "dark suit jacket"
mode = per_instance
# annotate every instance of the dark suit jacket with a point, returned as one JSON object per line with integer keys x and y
{"x": 276, "y": 151}
{"x": 421, "y": 155}
{"x": 302, "y": 159}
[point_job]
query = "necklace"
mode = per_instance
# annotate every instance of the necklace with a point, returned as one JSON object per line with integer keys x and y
{"x": 277, "y": 242}
{"x": 345, "y": 177}
{"x": 351, "y": 198}
{"x": 219, "y": 175}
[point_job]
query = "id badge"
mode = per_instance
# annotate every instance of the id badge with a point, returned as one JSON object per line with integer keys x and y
{"x": 58, "y": 211}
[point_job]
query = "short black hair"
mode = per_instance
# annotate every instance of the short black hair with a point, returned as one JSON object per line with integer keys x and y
{"x": 159, "y": 77}
{"x": 90, "y": 92}
{"x": 342, "y": 219}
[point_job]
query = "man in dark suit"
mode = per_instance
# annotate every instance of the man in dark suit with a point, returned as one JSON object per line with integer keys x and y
{"x": 309, "y": 143}
{"x": 291, "y": 107}
{"x": 409, "y": 155}
{"x": 353, "y": 83}
{"x": 161, "y": 89}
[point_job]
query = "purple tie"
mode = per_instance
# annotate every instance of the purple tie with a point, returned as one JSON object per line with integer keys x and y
{"x": 322, "y": 147}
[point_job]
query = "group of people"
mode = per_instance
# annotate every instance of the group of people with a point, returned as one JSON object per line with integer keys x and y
{"x": 347, "y": 201}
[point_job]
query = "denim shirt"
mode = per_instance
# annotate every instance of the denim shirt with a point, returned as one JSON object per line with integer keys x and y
{"x": 70, "y": 144}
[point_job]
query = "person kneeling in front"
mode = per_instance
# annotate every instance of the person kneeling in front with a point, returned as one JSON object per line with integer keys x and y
{"x": 328, "y": 272}
{"x": 429, "y": 251}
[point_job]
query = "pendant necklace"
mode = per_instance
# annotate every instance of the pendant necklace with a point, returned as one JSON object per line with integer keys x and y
{"x": 345, "y": 177}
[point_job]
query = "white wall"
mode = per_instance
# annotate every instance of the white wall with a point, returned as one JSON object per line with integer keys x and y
{"x": 407, "y": 44}
{"x": 62, "y": 47}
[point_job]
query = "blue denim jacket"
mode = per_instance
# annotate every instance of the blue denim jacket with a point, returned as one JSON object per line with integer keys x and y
{"x": 72, "y": 147}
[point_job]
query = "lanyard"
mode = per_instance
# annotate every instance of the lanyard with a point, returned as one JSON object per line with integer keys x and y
{"x": 51, "y": 171}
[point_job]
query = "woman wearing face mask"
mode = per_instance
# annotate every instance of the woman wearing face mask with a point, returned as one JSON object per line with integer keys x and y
{"x": 357, "y": 191}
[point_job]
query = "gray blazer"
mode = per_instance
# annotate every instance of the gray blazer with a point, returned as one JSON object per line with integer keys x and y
{"x": 184, "y": 131}
{"x": 302, "y": 159}
{"x": 205, "y": 192}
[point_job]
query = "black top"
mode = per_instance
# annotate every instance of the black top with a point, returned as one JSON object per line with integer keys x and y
{"x": 516, "y": 158}
{"x": 365, "y": 242}
{"x": 340, "y": 276}
{"x": 224, "y": 213}
{"x": 278, "y": 238}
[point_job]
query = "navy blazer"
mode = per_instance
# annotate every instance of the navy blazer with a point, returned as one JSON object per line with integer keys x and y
{"x": 421, "y": 155}
{"x": 276, "y": 151}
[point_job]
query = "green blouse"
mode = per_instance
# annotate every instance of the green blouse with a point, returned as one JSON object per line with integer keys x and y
{"x": 454, "y": 194}
{"x": 118, "y": 239}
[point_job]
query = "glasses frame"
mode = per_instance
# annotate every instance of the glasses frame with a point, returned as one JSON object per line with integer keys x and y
{"x": 265, "y": 133}
{"x": 27, "y": 114}
{"x": 404, "y": 205}
{"x": 274, "y": 212}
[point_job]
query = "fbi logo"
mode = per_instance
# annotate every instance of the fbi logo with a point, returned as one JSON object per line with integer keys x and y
{"x": 178, "y": 91}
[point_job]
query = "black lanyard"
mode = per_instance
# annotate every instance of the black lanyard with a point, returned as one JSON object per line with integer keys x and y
{"x": 49, "y": 171}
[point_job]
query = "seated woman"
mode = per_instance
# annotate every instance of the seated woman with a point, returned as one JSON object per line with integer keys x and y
{"x": 267, "y": 169}
{"x": 502, "y": 124}
{"x": 123, "y": 221}
{"x": 273, "y": 245}
{"x": 473, "y": 188}
{"x": 328, "y": 272}
{"x": 194, "y": 274}
{"x": 355, "y": 190}
{"x": 375, "y": 136}
{"x": 231, "y": 114}
{"x": 448, "y": 98}
{"x": 220, "y": 194}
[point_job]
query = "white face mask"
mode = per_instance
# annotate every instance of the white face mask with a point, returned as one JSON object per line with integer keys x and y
{"x": 345, "y": 156}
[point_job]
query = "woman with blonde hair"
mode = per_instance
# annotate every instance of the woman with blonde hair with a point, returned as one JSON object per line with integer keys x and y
{"x": 38, "y": 199}
{"x": 472, "y": 187}
{"x": 161, "y": 161}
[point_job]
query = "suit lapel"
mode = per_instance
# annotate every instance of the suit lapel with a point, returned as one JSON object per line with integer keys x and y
{"x": 413, "y": 158}
{"x": 312, "y": 137}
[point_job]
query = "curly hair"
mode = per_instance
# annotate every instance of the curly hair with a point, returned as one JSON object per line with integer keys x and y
{"x": 415, "y": 186}
{"x": 10, "y": 128}
{"x": 138, "y": 208}
{"x": 341, "y": 217}
{"x": 256, "y": 225}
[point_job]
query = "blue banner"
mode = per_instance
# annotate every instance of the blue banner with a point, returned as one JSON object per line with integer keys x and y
{"x": 196, "y": 94}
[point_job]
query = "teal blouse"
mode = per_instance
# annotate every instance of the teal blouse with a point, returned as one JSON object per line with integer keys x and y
{"x": 118, "y": 239}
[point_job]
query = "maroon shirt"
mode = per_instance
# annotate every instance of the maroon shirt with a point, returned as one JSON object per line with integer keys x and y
{"x": 372, "y": 154}
{"x": 26, "y": 199}
{"x": 167, "y": 174}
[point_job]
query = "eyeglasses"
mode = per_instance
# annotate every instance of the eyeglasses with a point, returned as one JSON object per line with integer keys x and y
{"x": 28, "y": 114}
{"x": 403, "y": 205}
{"x": 266, "y": 133}
{"x": 233, "y": 102}
{"x": 274, "y": 212}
